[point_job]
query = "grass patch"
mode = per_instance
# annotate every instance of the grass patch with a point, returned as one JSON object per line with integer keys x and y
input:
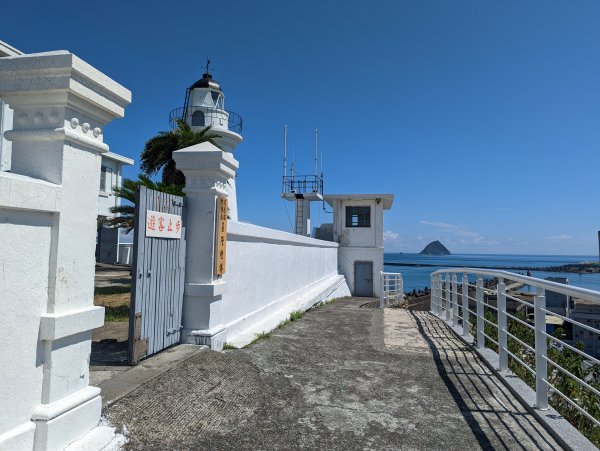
{"x": 260, "y": 337}
{"x": 117, "y": 289}
{"x": 296, "y": 315}
{"x": 228, "y": 346}
{"x": 120, "y": 314}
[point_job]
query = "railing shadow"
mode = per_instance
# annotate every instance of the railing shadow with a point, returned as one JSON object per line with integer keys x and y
{"x": 496, "y": 419}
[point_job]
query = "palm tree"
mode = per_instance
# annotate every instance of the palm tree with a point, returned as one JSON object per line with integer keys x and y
{"x": 126, "y": 213}
{"x": 158, "y": 151}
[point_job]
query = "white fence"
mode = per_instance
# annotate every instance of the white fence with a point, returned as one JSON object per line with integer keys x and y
{"x": 392, "y": 288}
{"x": 527, "y": 349}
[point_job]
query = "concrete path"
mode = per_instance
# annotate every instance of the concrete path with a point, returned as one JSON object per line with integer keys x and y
{"x": 342, "y": 377}
{"x": 112, "y": 275}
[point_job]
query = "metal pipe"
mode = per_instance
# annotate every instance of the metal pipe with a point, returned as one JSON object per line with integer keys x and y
{"x": 448, "y": 297}
{"x": 541, "y": 366}
{"x": 454, "y": 300}
{"x": 569, "y": 290}
{"x": 465, "y": 305}
{"x": 432, "y": 296}
{"x": 502, "y": 327}
{"x": 480, "y": 313}
{"x": 284, "y": 155}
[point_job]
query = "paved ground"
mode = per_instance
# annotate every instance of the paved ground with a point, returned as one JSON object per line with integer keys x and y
{"x": 342, "y": 377}
{"x": 112, "y": 275}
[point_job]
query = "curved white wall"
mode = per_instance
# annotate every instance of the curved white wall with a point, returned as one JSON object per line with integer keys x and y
{"x": 271, "y": 273}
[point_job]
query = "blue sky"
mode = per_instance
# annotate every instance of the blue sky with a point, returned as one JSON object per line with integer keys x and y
{"x": 481, "y": 117}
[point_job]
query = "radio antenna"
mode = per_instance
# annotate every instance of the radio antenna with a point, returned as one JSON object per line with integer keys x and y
{"x": 316, "y": 152}
{"x": 284, "y": 154}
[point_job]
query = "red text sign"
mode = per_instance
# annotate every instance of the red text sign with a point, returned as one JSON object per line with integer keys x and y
{"x": 163, "y": 225}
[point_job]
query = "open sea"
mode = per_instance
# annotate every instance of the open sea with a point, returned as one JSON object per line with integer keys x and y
{"x": 419, "y": 277}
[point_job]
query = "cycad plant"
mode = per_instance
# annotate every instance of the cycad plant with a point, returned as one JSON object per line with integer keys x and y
{"x": 158, "y": 151}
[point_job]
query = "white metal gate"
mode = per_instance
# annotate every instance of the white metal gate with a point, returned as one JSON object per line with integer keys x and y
{"x": 158, "y": 273}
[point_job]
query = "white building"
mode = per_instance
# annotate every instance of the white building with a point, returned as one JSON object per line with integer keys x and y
{"x": 588, "y": 313}
{"x": 109, "y": 249}
{"x": 111, "y": 175}
{"x": 358, "y": 228}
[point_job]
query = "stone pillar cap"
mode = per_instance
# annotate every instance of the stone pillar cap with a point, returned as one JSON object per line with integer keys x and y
{"x": 63, "y": 78}
{"x": 205, "y": 157}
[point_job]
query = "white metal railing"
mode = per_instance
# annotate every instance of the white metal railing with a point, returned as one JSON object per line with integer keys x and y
{"x": 452, "y": 297}
{"x": 392, "y": 288}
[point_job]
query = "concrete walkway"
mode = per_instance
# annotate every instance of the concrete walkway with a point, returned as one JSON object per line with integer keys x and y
{"x": 342, "y": 377}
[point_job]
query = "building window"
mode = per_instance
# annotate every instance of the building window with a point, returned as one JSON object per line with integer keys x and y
{"x": 103, "y": 178}
{"x": 358, "y": 216}
{"x": 198, "y": 119}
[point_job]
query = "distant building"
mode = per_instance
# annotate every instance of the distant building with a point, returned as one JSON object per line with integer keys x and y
{"x": 588, "y": 313}
{"x": 358, "y": 228}
{"x": 111, "y": 175}
{"x": 108, "y": 246}
{"x": 558, "y": 302}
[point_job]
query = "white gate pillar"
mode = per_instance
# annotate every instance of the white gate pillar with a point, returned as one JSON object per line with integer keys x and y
{"x": 207, "y": 170}
{"x": 48, "y": 211}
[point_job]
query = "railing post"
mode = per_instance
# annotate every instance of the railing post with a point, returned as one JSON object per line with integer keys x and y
{"x": 541, "y": 365}
{"x": 382, "y": 294}
{"x": 401, "y": 289}
{"x": 448, "y": 297}
{"x": 432, "y": 295}
{"x": 439, "y": 294}
{"x": 454, "y": 300}
{"x": 480, "y": 322}
{"x": 502, "y": 327}
{"x": 465, "y": 305}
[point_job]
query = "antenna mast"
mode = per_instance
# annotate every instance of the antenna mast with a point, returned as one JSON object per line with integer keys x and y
{"x": 316, "y": 152}
{"x": 284, "y": 155}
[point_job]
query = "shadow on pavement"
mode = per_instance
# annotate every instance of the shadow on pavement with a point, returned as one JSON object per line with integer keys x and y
{"x": 481, "y": 398}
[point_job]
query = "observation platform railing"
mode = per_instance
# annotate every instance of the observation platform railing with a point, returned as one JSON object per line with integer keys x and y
{"x": 210, "y": 116}
{"x": 536, "y": 356}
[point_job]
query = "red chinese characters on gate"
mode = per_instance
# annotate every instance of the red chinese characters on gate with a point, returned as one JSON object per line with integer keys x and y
{"x": 163, "y": 225}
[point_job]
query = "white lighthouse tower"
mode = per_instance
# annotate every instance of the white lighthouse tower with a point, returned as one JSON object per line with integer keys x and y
{"x": 204, "y": 106}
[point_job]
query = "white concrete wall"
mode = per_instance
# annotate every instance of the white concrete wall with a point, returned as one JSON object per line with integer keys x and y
{"x": 48, "y": 210}
{"x": 358, "y": 236}
{"x": 268, "y": 274}
{"x": 271, "y": 273}
{"x": 349, "y": 255}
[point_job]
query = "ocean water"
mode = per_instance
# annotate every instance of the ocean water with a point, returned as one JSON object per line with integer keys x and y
{"x": 419, "y": 277}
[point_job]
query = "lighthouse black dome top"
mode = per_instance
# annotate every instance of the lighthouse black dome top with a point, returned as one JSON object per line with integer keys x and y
{"x": 206, "y": 82}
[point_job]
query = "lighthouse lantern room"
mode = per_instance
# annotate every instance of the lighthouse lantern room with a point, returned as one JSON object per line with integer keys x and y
{"x": 204, "y": 106}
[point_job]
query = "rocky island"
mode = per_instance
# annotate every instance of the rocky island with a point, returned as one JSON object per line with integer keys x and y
{"x": 435, "y": 248}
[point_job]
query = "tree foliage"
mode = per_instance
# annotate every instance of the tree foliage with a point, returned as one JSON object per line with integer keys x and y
{"x": 158, "y": 151}
{"x": 125, "y": 213}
